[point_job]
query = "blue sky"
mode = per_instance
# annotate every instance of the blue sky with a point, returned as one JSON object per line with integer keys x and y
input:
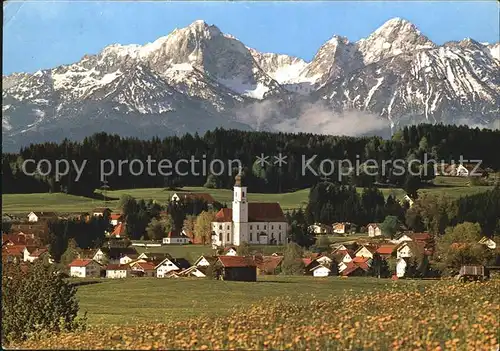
{"x": 40, "y": 35}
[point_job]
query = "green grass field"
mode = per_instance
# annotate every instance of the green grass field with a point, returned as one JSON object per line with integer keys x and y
{"x": 132, "y": 300}
{"x": 62, "y": 203}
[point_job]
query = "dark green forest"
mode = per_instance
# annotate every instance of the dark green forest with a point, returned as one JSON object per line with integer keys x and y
{"x": 440, "y": 142}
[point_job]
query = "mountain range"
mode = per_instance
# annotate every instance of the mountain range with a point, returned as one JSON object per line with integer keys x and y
{"x": 197, "y": 78}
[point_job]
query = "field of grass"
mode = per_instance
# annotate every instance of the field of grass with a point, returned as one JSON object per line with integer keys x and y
{"x": 132, "y": 300}
{"x": 443, "y": 315}
{"x": 62, "y": 203}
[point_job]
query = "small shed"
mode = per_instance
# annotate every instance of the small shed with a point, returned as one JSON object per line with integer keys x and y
{"x": 238, "y": 268}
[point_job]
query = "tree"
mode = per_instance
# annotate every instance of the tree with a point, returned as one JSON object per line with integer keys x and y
{"x": 157, "y": 229}
{"x": 36, "y": 300}
{"x": 203, "y": 226}
{"x": 459, "y": 246}
{"x": 390, "y": 226}
{"x": 70, "y": 254}
{"x": 243, "y": 249}
{"x": 292, "y": 260}
{"x": 188, "y": 225}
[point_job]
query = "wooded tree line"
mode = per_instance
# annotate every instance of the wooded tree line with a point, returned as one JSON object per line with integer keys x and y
{"x": 438, "y": 141}
{"x": 330, "y": 203}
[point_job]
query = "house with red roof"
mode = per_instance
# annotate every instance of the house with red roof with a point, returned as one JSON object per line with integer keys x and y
{"x": 386, "y": 250}
{"x": 115, "y": 218}
{"x": 84, "y": 268}
{"x": 239, "y": 268}
{"x": 356, "y": 269}
{"x": 268, "y": 264}
{"x": 142, "y": 268}
{"x": 253, "y": 223}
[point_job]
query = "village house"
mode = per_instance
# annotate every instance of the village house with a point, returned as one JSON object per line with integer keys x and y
{"x": 237, "y": 268}
{"x": 36, "y": 254}
{"x": 267, "y": 265}
{"x": 100, "y": 211}
{"x": 356, "y": 269}
{"x": 115, "y": 255}
{"x": 34, "y": 217}
{"x": 489, "y": 243}
{"x": 13, "y": 253}
{"x": 401, "y": 264}
{"x": 320, "y": 229}
{"x": 166, "y": 266}
{"x": 365, "y": 251}
{"x": 320, "y": 271}
{"x": 84, "y": 268}
{"x": 411, "y": 249}
{"x": 253, "y": 223}
{"x": 205, "y": 261}
{"x": 341, "y": 227}
{"x": 115, "y": 219}
{"x": 175, "y": 238}
{"x": 117, "y": 271}
{"x": 142, "y": 268}
{"x": 386, "y": 251}
{"x": 194, "y": 196}
{"x": 19, "y": 239}
{"x": 230, "y": 251}
{"x": 374, "y": 230}
{"x": 192, "y": 271}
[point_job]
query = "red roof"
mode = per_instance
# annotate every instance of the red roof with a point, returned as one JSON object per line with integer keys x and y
{"x": 257, "y": 212}
{"x": 173, "y": 234}
{"x": 13, "y": 250}
{"x": 119, "y": 230}
{"x": 351, "y": 267}
{"x": 360, "y": 259}
{"x": 115, "y": 216}
{"x": 202, "y": 196}
{"x": 224, "y": 215}
{"x": 237, "y": 261}
{"x": 146, "y": 266}
{"x": 307, "y": 261}
{"x": 268, "y": 263}
{"x": 38, "y": 252}
{"x": 79, "y": 262}
{"x": 420, "y": 236}
{"x": 386, "y": 249}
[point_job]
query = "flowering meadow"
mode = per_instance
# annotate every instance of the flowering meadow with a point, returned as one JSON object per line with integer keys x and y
{"x": 446, "y": 315}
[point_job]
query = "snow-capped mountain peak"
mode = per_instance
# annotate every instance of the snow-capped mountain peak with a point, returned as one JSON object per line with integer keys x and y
{"x": 394, "y": 37}
{"x": 197, "y": 77}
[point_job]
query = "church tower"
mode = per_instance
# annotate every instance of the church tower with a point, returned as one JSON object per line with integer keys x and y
{"x": 240, "y": 213}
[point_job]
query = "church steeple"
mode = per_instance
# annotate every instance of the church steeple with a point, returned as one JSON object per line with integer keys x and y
{"x": 240, "y": 212}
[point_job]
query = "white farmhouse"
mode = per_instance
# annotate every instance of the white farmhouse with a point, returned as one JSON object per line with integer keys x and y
{"x": 117, "y": 271}
{"x": 374, "y": 230}
{"x": 164, "y": 267}
{"x": 254, "y": 223}
{"x": 175, "y": 238}
{"x": 404, "y": 251}
{"x": 320, "y": 271}
{"x": 401, "y": 267}
{"x": 489, "y": 243}
{"x": 83, "y": 268}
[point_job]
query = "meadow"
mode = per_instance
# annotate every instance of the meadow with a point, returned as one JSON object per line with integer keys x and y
{"x": 140, "y": 300}
{"x": 62, "y": 203}
{"x": 352, "y": 314}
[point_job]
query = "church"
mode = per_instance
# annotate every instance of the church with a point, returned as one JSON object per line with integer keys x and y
{"x": 253, "y": 223}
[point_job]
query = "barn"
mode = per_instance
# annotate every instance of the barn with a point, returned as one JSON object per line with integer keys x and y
{"x": 237, "y": 268}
